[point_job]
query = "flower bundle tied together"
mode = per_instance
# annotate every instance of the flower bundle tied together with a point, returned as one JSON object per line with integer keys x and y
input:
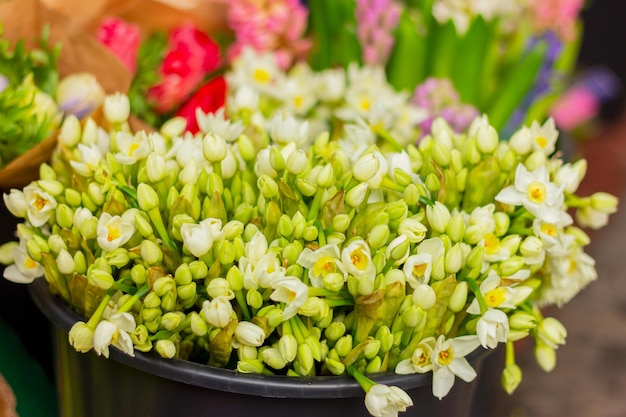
{"x": 260, "y": 245}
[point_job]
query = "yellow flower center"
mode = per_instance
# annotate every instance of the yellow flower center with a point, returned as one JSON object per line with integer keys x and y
{"x": 492, "y": 244}
{"x": 359, "y": 259}
{"x": 541, "y": 141}
{"x": 365, "y": 104}
{"x": 323, "y": 266}
{"x": 261, "y": 76}
{"x": 419, "y": 269}
{"x": 40, "y": 202}
{"x": 536, "y": 192}
{"x": 549, "y": 229}
{"x": 446, "y": 357}
{"x": 29, "y": 263}
{"x": 114, "y": 233}
{"x": 132, "y": 149}
{"x": 495, "y": 297}
{"x": 422, "y": 359}
{"x": 298, "y": 101}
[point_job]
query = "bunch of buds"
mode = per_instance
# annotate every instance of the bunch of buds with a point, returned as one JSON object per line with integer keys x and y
{"x": 285, "y": 255}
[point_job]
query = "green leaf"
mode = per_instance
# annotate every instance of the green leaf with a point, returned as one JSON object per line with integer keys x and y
{"x": 406, "y": 66}
{"x": 517, "y": 83}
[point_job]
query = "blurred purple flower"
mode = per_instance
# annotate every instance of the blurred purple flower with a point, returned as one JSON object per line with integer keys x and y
{"x": 376, "y": 20}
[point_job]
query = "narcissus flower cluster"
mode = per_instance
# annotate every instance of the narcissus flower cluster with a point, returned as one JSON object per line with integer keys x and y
{"x": 311, "y": 240}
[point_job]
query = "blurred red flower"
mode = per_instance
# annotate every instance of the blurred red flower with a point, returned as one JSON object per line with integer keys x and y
{"x": 122, "y": 39}
{"x": 209, "y": 98}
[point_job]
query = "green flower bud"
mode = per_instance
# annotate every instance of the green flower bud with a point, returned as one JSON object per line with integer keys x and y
{"x": 378, "y": 236}
{"x": 456, "y": 228}
{"x": 411, "y": 194}
{"x": 273, "y": 358}
{"x": 166, "y": 348}
{"x": 80, "y": 262}
{"x": 64, "y": 216}
{"x": 439, "y": 269}
{"x": 147, "y": 197}
{"x": 458, "y": 299}
{"x": 475, "y": 257}
{"x": 356, "y": 195}
{"x": 371, "y": 349}
{"x": 183, "y": 274}
{"x": 118, "y": 258}
{"x": 432, "y": 183}
{"x": 226, "y": 252}
{"x": 150, "y": 314}
{"x": 461, "y": 180}
{"x": 472, "y": 154}
{"x": 412, "y": 316}
{"x": 438, "y": 217}
{"x": 335, "y": 331}
{"x": 335, "y": 367}
{"x": 341, "y": 222}
{"x": 151, "y": 301}
{"x": 151, "y": 253}
{"x": 168, "y": 302}
{"x": 288, "y": 347}
{"x": 325, "y": 177}
{"x": 187, "y": 291}
{"x": 401, "y": 177}
{"x": 254, "y": 298}
{"x": 502, "y": 223}
{"x": 56, "y": 243}
{"x": 138, "y": 274}
{"x": 285, "y": 226}
{"x": 508, "y": 161}
{"x": 170, "y": 321}
{"x": 143, "y": 226}
{"x": 310, "y": 233}
{"x": 511, "y": 378}
{"x": 101, "y": 279}
{"x": 333, "y": 281}
{"x": 305, "y": 187}
{"x": 441, "y": 155}
{"x": 164, "y": 285}
{"x": 510, "y": 266}
{"x": 456, "y": 160}
{"x": 374, "y": 365}
{"x": 487, "y": 139}
{"x": 522, "y": 320}
{"x": 604, "y": 202}
{"x": 297, "y": 162}
{"x": 545, "y": 356}
{"x": 72, "y": 197}
{"x": 551, "y": 332}
{"x": 343, "y": 346}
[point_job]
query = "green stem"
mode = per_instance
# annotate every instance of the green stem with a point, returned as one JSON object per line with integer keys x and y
{"x": 132, "y": 300}
{"x": 363, "y": 381}
{"x": 242, "y": 303}
{"x": 315, "y": 205}
{"x": 157, "y": 220}
{"x": 394, "y": 186}
{"x": 524, "y": 231}
{"x": 479, "y": 296}
{"x": 97, "y": 315}
{"x": 510, "y": 354}
{"x": 386, "y": 136}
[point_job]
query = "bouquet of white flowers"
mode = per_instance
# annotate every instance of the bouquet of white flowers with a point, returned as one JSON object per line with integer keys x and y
{"x": 328, "y": 244}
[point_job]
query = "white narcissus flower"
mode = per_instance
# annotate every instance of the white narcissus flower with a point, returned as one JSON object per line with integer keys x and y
{"x": 535, "y": 192}
{"x": 492, "y": 327}
{"x": 370, "y": 168}
{"x": 218, "y": 124}
{"x": 41, "y": 205}
{"x": 357, "y": 261}
{"x": 259, "y": 71}
{"x": 418, "y": 268}
{"x": 321, "y": 262}
{"x": 570, "y": 175}
{"x": 544, "y": 136}
{"x": 218, "y": 311}
{"x": 131, "y": 148}
{"x": 81, "y": 337}
{"x": 291, "y": 291}
{"x": 197, "y": 238}
{"x": 113, "y": 231}
{"x": 497, "y": 296}
{"x": 413, "y": 229}
{"x": 24, "y": 270}
{"x": 449, "y": 361}
{"x": 420, "y": 361}
{"x": 116, "y": 108}
{"x": 248, "y": 334}
{"x": 268, "y": 270}
{"x": 115, "y": 331}
{"x": 386, "y": 401}
{"x": 15, "y": 201}
{"x": 438, "y": 216}
{"x": 286, "y": 129}
{"x": 90, "y": 158}
{"x": 330, "y": 84}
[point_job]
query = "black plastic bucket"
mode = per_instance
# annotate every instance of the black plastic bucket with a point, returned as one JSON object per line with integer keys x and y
{"x": 150, "y": 386}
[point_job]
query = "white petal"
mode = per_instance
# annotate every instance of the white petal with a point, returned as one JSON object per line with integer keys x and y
{"x": 461, "y": 368}
{"x": 443, "y": 380}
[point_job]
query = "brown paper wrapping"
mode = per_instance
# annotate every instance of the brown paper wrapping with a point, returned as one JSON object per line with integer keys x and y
{"x": 73, "y": 24}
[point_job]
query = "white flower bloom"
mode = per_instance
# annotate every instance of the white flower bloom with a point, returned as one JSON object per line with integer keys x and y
{"x": 358, "y": 136}
{"x": 592, "y": 218}
{"x": 254, "y": 69}
{"x": 218, "y": 124}
{"x": 113, "y": 231}
{"x": 497, "y": 296}
{"x": 424, "y": 296}
{"x": 248, "y": 334}
{"x": 25, "y": 270}
{"x": 291, "y": 291}
{"x": 16, "y": 203}
{"x": 569, "y": 274}
{"x": 420, "y": 361}
{"x": 131, "y": 148}
{"x": 244, "y": 98}
{"x": 218, "y": 311}
{"x": 357, "y": 261}
{"x": 535, "y": 192}
{"x": 413, "y": 229}
{"x": 81, "y": 337}
{"x": 330, "y": 84}
{"x": 449, "y": 361}
{"x": 116, "y": 108}
{"x": 492, "y": 327}
{"x": 115, "y": 331}
{"x": 370, "y": 168}
{"x": 570, "y": 175}
{"x": 41, "y": 205}
{"x": 544, "y": 137}
{"x": 321, "y": 262}
{"x": 555, "y": 240}
{"x": 219, "y": 287}
{"x": 286, "y": 129}
{"x": 268, "y": 270}
{"x": 418, "y": 268}
{"x": 90, "y": 158}
{"x": 438, "y": 216}
{"x": 386, "y": 401}
{"x": 262, "y": 165}
{"x": 197, "y": 238}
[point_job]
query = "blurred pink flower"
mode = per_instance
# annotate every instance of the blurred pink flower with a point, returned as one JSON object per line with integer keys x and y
{"x": 122, "y": 39}
{"x": 376, "y": 20}
{"x": 557, "y": 15}
{"x": 191, "y": 55}
{"x": 276, "y": 26}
